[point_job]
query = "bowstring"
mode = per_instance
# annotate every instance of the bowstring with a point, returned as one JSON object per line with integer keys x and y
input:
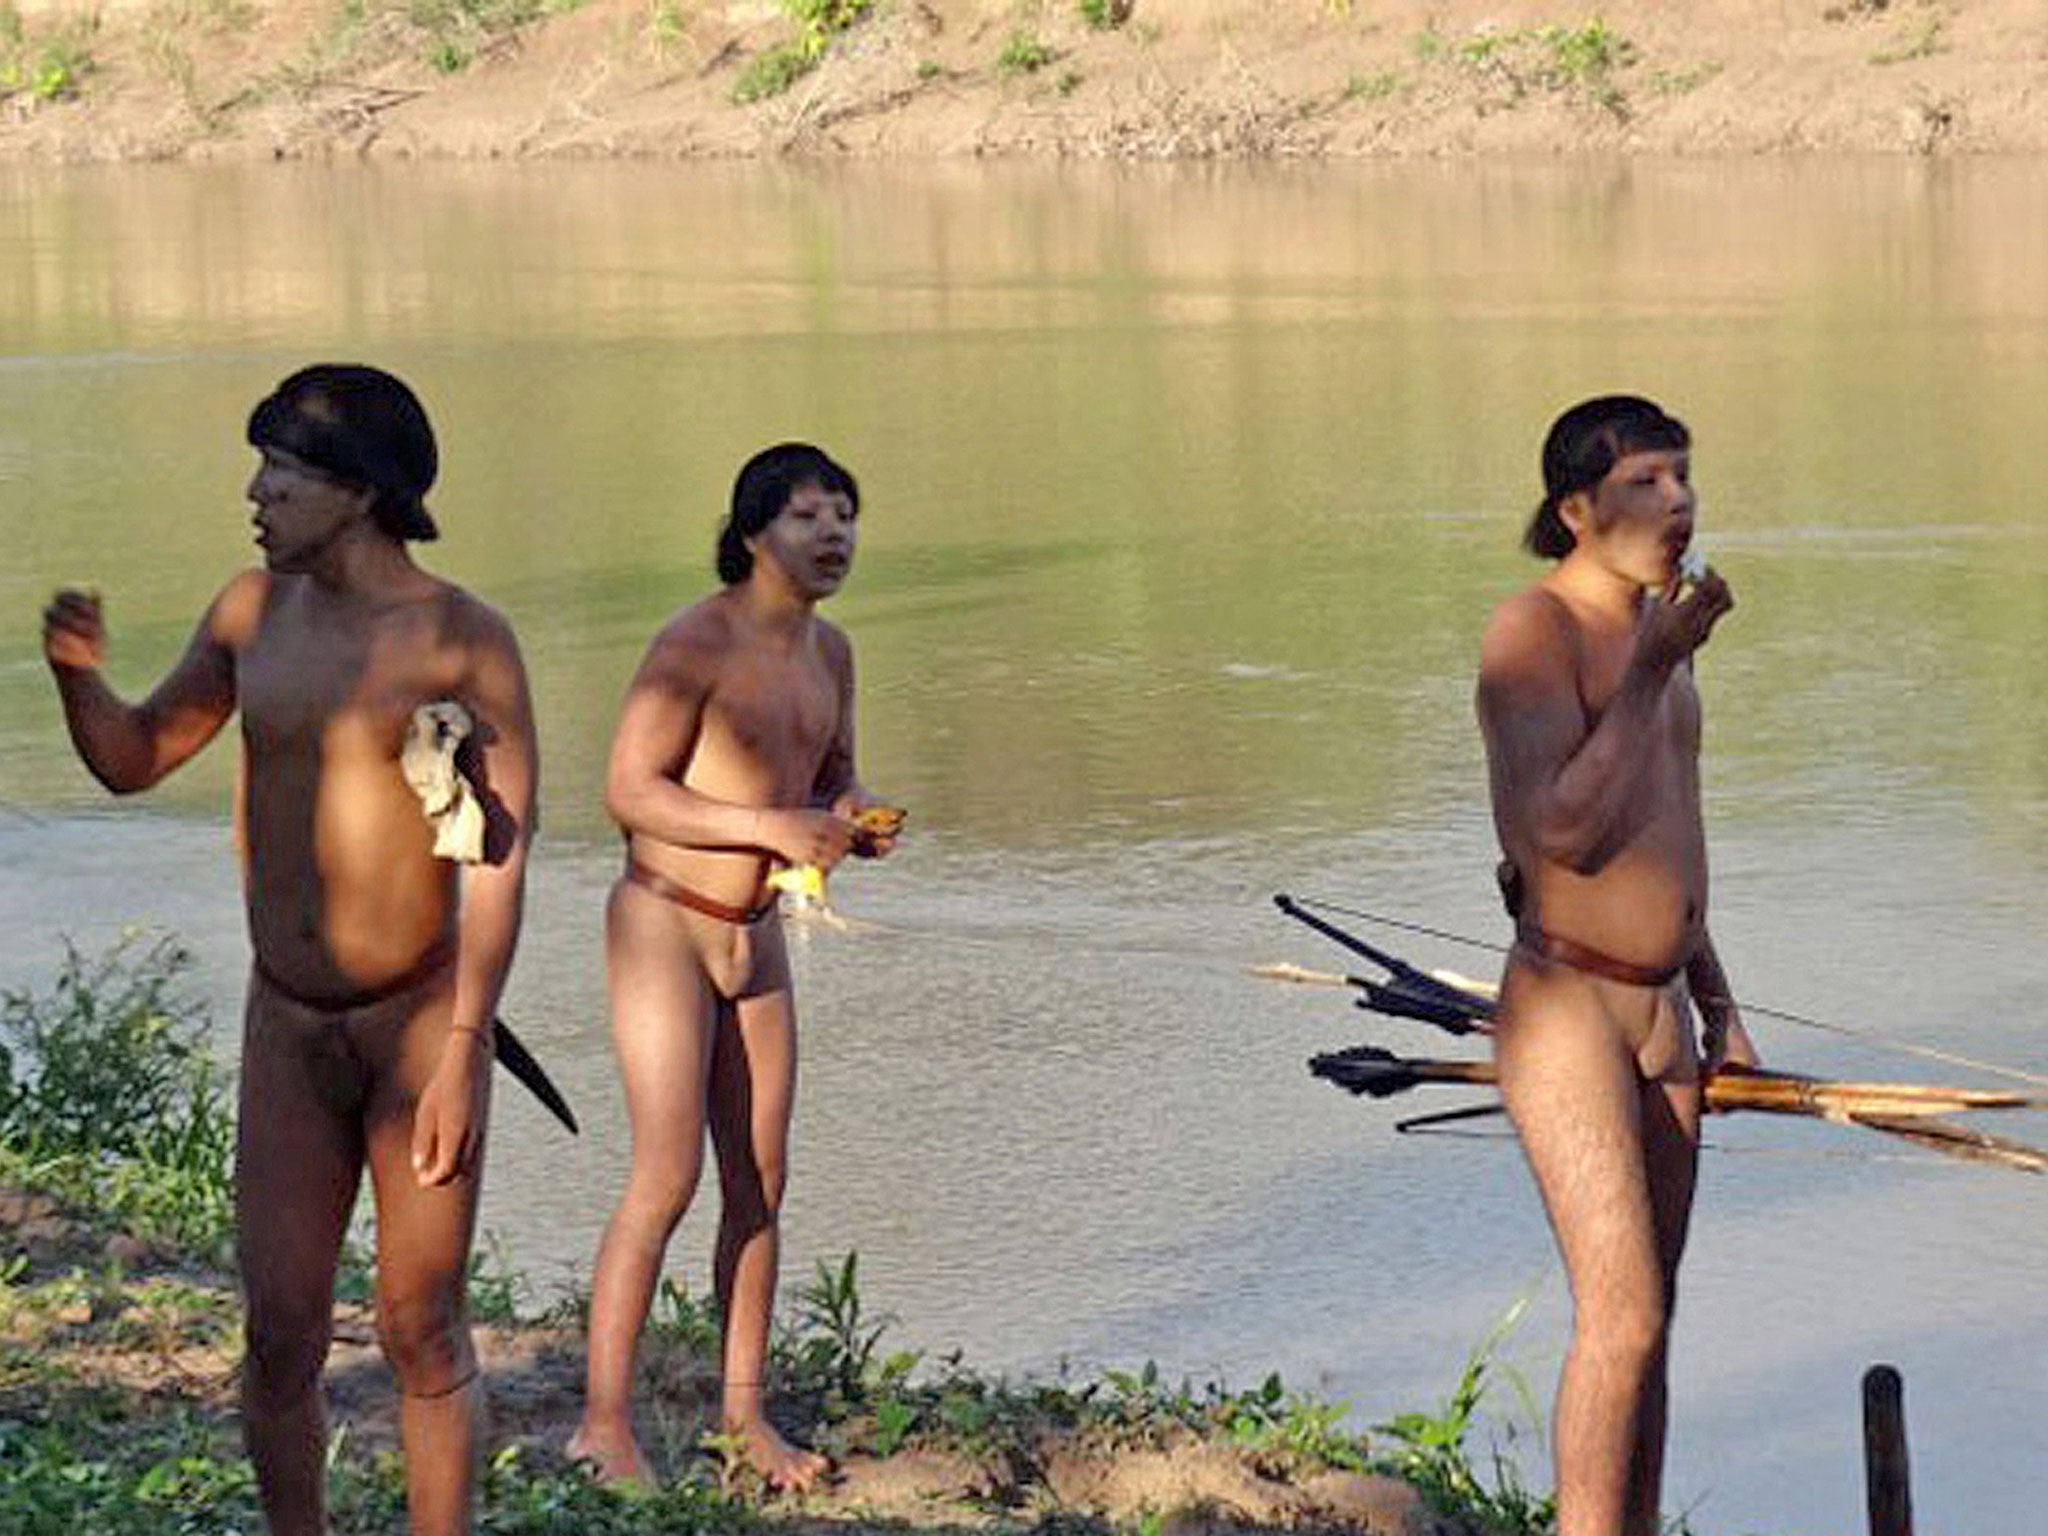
{"x": 1782, "y": 1015}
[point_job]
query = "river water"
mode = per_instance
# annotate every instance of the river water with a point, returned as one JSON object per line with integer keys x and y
{"x": 1187, "y": 493}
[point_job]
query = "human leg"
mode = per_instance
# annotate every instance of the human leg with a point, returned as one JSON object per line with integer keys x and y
{"x": 298, "y": 1161}
{"x": 663, "y": 1019}
{"x": 423, "y": 1243}
{"x": 1571, "y": 1081}
{"x": 1671, "y": 1099}
{"x": 753, "y": 1088}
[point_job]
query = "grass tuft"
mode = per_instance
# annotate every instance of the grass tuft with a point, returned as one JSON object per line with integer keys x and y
{"x": 1024, "y": 53}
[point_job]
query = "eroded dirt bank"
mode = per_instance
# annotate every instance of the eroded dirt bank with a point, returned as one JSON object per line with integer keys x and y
{"x": 144, "y": 79}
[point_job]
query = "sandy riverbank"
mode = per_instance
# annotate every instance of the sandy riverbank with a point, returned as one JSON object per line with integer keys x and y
{"x": 1136, "y": 79}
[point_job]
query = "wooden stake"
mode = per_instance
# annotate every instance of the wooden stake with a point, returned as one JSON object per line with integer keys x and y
{"x": 1884, "y": 1452}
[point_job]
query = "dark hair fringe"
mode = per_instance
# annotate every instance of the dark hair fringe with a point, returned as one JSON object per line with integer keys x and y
{"x": 763, "y": 488}
{"x": 1581, "y": 447}
{"x": 362, "y": 426}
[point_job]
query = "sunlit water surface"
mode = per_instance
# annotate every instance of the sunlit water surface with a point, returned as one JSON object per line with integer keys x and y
{"x": 1186, "y": 497}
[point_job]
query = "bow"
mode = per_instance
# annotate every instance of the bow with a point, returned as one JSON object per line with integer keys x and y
{"x": 1909, "y": 1111}
{"x": 1906, "y": 1110}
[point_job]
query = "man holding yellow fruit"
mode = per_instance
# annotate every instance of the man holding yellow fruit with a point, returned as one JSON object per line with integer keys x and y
{"x": 733, "y": 755}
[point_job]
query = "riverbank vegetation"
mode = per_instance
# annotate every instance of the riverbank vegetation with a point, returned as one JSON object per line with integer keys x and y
{"x": 113, "y": 79}
{"x": 119, "y": 1336}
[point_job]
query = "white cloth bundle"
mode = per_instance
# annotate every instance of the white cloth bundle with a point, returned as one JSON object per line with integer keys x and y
{"x": 448, "y": 798}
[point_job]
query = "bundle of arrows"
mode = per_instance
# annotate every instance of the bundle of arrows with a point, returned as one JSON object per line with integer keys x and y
{"x": 1914, "y": 1112}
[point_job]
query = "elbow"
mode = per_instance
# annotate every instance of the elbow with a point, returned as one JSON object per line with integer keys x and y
{"x": 623, "y": 799}
{"x": 1582, "y": 849}
{"x": 124, "y": 779}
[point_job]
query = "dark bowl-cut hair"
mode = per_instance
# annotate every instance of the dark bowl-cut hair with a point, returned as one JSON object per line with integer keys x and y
{"x": 361, "y": 426}
{"x": 1583, "y": 445}
{"x": 765, "y": 484}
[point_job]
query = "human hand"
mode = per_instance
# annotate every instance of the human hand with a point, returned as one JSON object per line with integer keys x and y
{"x": 1724, "y": 1041}
{"x": 74, "y": 632}
{"x": 806, "y": 836}
{"x": 448, "y": 1120}
{"x": 1676, "y": 622}
{"x": 876, "y": 826}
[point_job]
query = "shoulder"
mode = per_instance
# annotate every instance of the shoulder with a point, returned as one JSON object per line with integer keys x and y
{"x": 469, "y": 617}
{"x": 236, "y": 612}
{"x": 1529, "y": 657}
{"x": 833, "y": 644}
{"x": 1534, "y": 622}
{"x": 692, "y": 645}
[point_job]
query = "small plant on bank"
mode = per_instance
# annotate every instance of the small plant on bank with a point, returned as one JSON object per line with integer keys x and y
{"x": 49, "y": 66}
{"x": 447, "y": 35}
{"x": 1920, "y": 39}
{"x": 1435, "y": 1457}
{"x": 1581, "y": 61}
{"x": 1681, "y": 82}
{"x": 774, "y": 70}
{"x": 1024, "y": 54}
{"x": 110, "y": 1097}
{"x": 1105, "y": 15}
{"x": 1377, "y": 86}
{"x": 667, "y": 21}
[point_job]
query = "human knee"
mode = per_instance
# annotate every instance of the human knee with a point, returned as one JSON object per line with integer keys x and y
{"x": 659, "y": 1192}
{"x": 753, "y": 1195}
{"x": 1634, "y": 1331}
{"x": 425, "y": 1336}
{"x": 286, "y": 1347}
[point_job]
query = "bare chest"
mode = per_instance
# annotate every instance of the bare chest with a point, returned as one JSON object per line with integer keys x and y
{"x": 1603, "y": 661}
{"x": 780, "y": 713}
{"x": 306, "y": 686}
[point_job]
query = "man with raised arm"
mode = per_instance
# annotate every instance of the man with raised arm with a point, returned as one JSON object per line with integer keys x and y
{"x": 377, "y": 965}
{"x": 1592, "y": 727}
{"x": 734, "y": 753}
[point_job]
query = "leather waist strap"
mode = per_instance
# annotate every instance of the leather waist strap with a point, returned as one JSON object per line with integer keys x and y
{"x": 660, "y": 885}
{"x": 1582, "y": 957}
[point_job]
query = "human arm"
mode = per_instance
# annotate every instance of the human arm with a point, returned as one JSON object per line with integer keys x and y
{"x": 838, "y": 784}
{"x": 501, "y": 760}
{"x": 129, "y": 747}
{"x": 1723, "y": 1039}
{"x": 659, "y": 726}
{"x": 1578, "y": 796}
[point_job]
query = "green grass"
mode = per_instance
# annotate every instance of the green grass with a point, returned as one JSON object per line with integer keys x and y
{"x": 1581, "y": 62}
{"x": 1919, "y": 39}
{"x": 111, "y": 1104}
{"x": 1434, "y": 1452}
{"x": 1681, "y": 82}
{"x": 47, "y": 64}
{"x": 1377, "y": 86}
{"x": 447, "y": 35}
{"x": 667, "y": 22}
{"x": 110, "y": 1096}
{"x": 1104, "y": 15}
{"x": 1024, "y": 53}
{"x": 774, "y": 70}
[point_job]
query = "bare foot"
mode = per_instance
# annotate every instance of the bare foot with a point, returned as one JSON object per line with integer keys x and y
{"x": 613, "y": 1454}
{"x": 784, "y": 1467}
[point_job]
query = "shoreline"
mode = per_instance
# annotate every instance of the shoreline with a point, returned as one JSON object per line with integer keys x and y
{"x": 119, "y": 1353}
{"x": 954, "y": 80}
